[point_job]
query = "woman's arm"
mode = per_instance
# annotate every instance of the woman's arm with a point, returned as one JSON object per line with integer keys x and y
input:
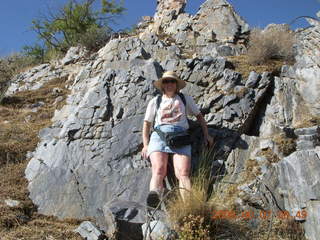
{"x": 145, "y": 136}
{"x": 207, "y": 138}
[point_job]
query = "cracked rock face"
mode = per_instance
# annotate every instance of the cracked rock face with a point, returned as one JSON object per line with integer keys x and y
{"x": 290, "y": 177}
{"x": 307, "y": 68}
{"x": 168, "y": 9}
{"x": 218, "y": 20}
{"x": 216, "y": 26}
{"x": 91, "y": 153}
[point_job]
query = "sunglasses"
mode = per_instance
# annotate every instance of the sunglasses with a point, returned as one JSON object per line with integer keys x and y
{"x": 165, "y": 81}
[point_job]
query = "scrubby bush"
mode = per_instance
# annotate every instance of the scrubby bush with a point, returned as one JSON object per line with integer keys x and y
{"x": 194, "y": 228}
{"x": 36, "y": 53}
{"x": 271, "y": 43}
{"x": 95, "y": 38}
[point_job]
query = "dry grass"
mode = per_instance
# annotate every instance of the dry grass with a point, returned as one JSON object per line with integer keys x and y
{"x": 19, "y": 128}
{"x": 308, "y": 121}
{"x": 286, "y": 145}
{"x": 270, "y": 155}
{"x": 23, "y": 222}
{"x": 193, "y": 218}
{"x": 242, "y": 65}
{"x": 273, "y": 43}
{"x": 252, "y": 170}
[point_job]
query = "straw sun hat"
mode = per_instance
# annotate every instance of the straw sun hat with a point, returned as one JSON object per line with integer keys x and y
{"x": 170, "y": 75}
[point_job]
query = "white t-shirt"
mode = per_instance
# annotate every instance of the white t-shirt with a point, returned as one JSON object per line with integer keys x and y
{"x": 171, "y": 111}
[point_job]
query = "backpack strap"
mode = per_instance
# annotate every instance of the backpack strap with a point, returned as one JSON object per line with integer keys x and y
{"x": 181, "y": 95}
{"x": 158, "y": 102}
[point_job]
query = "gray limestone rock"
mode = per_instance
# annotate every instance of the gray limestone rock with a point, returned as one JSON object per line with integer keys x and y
{"x": 89, "y": 231}
{"x": 307, "y": 68}
{"x": 73, "y": 55}
{"x": 253, "y": 79}
{"x": 225, "y": 50}
{"x": 313, "y": 220}
{"x": 213, "y": 15}
{"x": 297, "y": 183}
{"x": 308, "y": 138}
{"x": 124, "y": 219}
{"x": 157, "y": 230}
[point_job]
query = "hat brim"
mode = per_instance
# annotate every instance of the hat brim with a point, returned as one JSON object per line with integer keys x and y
{"x": 180, "y": 83}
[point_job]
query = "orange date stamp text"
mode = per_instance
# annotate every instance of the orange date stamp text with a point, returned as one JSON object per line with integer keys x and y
{"x": 261, "y": 214}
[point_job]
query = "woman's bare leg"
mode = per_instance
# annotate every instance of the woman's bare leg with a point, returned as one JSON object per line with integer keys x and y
{"x": 159, "y": 161}
{"x": 182, "y": 166}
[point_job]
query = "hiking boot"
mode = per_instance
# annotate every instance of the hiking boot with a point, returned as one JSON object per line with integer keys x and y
{"x": 153, "y": 199}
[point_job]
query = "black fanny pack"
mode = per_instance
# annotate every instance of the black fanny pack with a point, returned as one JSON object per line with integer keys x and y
{"x": 175, "y": 139}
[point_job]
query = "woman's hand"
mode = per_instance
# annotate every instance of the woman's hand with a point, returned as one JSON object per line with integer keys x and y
{"x": 208, "y": 141}
{"x": 145, "y": 136}
{"x": 144, "y": 152}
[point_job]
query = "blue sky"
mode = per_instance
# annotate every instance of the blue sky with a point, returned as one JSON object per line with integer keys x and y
{"x": 16, "y": 15}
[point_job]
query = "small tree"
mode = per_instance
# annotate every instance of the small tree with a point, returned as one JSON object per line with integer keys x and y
{"x": 66, "y": 27}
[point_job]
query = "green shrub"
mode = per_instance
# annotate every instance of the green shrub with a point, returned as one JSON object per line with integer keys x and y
{"x": 95, "y": 38}
{"x": 272, "y": 43}
{"x": 36, "y": 53}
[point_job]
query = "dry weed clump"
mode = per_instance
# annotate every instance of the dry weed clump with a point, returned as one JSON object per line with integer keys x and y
{"x": 271, "y": 43}
{"x": 286, "y": 145}
{"x": 308, "y": 121}
{"x": 252, "y": 170}
{"x": 194, "y": 228}
{"x": 270, "y": 155}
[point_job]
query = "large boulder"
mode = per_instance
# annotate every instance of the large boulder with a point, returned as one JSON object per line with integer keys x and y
{"x": 216, "y": 27}
{"x": 307, "y": 68}
{"x": 218, "y": 21}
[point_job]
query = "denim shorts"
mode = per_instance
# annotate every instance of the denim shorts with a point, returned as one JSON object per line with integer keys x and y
{"x": 158, "y": 145}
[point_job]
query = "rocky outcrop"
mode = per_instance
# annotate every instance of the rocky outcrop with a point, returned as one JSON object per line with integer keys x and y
{"x": 91, "y": 153}
{"x": 286, "y": 152}
{"x": 167, "y": 10}
{"x": 88, "y": 163}
{"x": 308, "y": 67}
{"x": 218, "y": 21}
{"x": 216, "y": 26}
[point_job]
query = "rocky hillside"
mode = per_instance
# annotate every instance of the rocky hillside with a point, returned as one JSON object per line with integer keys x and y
{"x": 88, "y": 163}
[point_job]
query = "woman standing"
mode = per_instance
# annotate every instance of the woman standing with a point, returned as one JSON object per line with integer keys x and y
{"x": 170, "y": 115}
